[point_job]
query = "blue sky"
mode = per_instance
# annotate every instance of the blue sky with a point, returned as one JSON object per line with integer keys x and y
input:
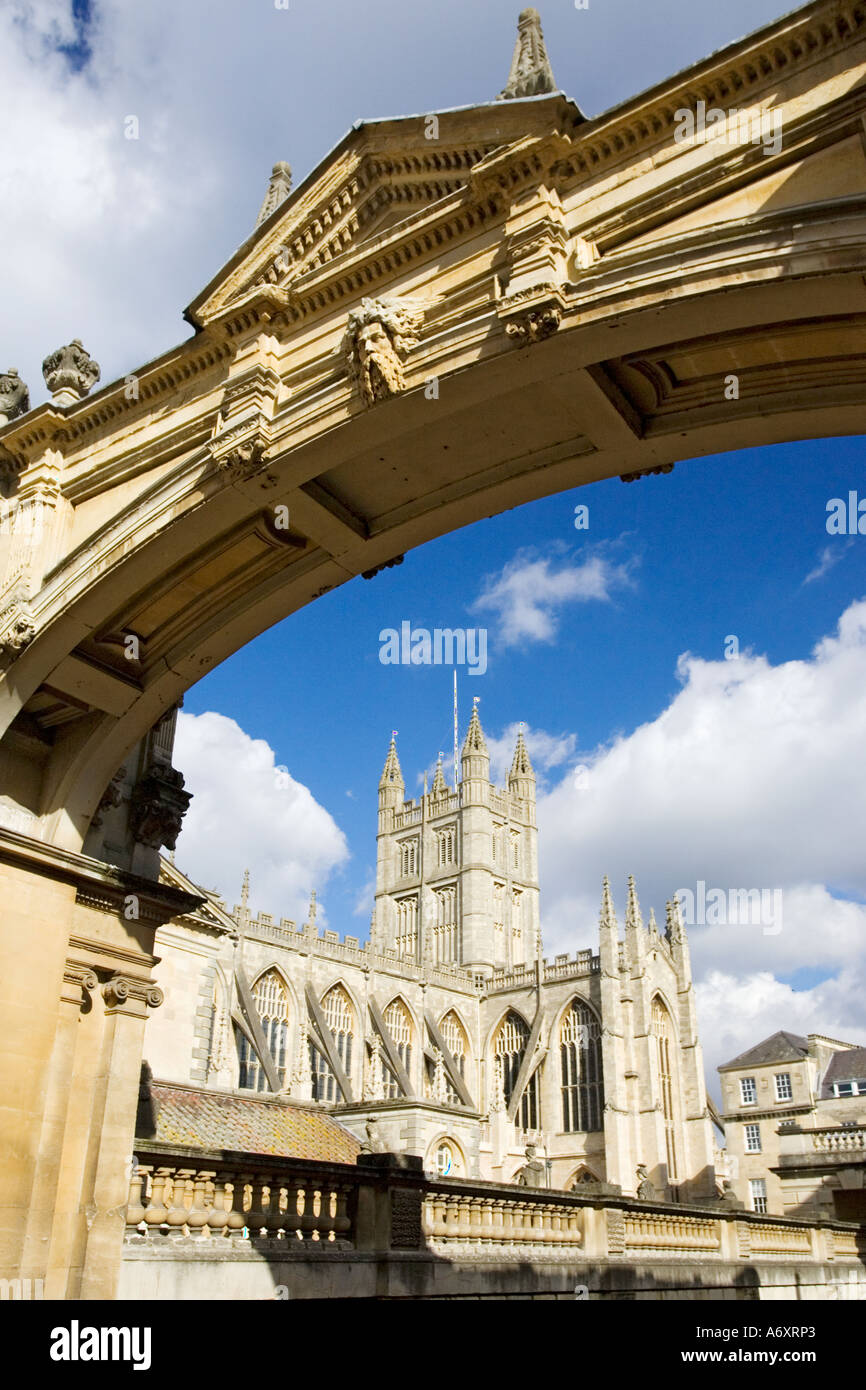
{"x": 738, "y": 773}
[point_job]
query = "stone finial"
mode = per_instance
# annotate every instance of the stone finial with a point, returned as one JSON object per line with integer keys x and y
{"x": 70, "y": 373}
{"x": 474, "y": 741}
{"x": 14, "y": 396}
{"x": 608, "y": 916}
{"x": 520, "y": 763}
{"x": 633, "y": 918}
{"x": 391, "y": 773}
{"x": 531, "y": 74}
{"x": 439, "y": 786}
{"x": 279, "y": 188}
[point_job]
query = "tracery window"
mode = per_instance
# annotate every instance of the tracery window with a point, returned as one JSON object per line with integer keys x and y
{"x": 340, "y": 1018}
{"x": 399, "y": 1025}
{"x": 272, "y": 1005}
{"x": 455, "y": 1039}
{"x": 515, "y": 849}
{"x": 446, "y": 841}
{"x": 409, "y": 857}
{"x": 510, "y": 1048}
{"x": 664, "y": 1036}
{"x": 580, "y": 1062}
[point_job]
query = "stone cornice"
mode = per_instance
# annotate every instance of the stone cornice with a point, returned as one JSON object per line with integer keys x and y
{"x": 107, "y": 885}
{"x": 741, "y": 72}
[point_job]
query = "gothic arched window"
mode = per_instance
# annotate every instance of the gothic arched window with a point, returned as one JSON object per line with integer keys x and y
{"x": 340, "y": 1018}
{"x": 509, "y": 1049}
{"x": 455, "y": 1039}
{"x": 272, "y": 1006}
{"x": 663, "y": 1032}
{"x": 399, "y": 1025}
{"x": 580, "y": 1060}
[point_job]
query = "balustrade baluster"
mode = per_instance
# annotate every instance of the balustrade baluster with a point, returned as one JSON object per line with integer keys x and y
{"x": 135, "y": 1204}
{"x": 156, "y": 1211}
{"x": 181, "y": 1187}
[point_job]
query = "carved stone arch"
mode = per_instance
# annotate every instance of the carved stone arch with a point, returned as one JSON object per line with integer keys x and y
{"x": 491, "y": 1036}
{"x": 453, "y": 1009}
{"x": 560, "y": 1014}
{"x": 343, "y": 984}
{"x": 278, "y": 969}
{"x": 400, "y": 998}
{"x": 582, "y": 1172}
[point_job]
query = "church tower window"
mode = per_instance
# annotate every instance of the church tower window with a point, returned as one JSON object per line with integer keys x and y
{"x": 446, "y": 841}
{"x": 445, "y": 929}
{"x": 580, "y": 1060}
{"x": 340, "y": 1018}
{"x": 663, "y": 1032}
{"x": 409, "y": 858}
{"x": 272, "y": 1006}
{"x": 407, "y": 926}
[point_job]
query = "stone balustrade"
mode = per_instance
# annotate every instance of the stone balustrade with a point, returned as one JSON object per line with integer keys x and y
{"x": 839, "y": 1140}
{"x": 167, "y": 1199}
{"x": 467, "y": 1222}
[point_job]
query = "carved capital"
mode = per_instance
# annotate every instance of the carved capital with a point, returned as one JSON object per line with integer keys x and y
{"x": 70, "y": 373}
{"x": 78, "y": 982}
{"x": 121, "y": 989}
{"x": 14, "y": 396}
{"x": 158, "y": 806}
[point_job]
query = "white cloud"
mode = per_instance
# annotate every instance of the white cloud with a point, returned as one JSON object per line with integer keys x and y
{"x": 247, "y": 812}
{"x": 830, "y": 556}
{"x": 735, "y": 1011}
{"x": 530, "y": 591}
{"x": 751, "y": 778}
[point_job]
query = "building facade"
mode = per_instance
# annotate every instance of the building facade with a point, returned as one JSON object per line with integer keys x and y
{"x": 448, "y": 1034}
{"x": 795, "y": 1126}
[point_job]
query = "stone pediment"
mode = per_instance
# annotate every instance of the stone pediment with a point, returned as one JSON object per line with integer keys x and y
{"x": 384, "y": 176}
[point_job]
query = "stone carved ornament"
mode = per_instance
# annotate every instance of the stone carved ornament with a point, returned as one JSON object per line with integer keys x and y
{"x": 70, "y": 371}
{"x": 379, "y": 334}
{"x": 158, "y": 807}
{"x": 14, "y": 396}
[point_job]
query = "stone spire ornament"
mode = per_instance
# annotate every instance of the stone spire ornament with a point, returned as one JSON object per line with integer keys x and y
{"x": 14, "y": 396}
{"x": 531, "y": 74}
{"x": 633, "y": 918}
{"x": 279, "y": 188}
{"x": 391, "y": 772}
{"x": 439, "y": 788}
{"x": 474, "y": 741}
{"x": 70, "y": 373}
{"x": 608, "y": 915}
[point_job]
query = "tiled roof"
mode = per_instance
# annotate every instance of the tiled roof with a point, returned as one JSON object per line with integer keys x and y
{"x": 849, "y": 1065}
{"x": 249, "y": 1124}
{"x": 780, "y": 1047}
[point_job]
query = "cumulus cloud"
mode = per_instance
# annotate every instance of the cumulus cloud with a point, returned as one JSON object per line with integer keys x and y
{"x": 751, "y": 778}
{"x": 528, "y": 594}
{"x": 248, "y": 812}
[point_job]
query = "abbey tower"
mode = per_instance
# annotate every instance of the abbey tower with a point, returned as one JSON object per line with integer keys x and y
{"x": 457, "y": 869}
